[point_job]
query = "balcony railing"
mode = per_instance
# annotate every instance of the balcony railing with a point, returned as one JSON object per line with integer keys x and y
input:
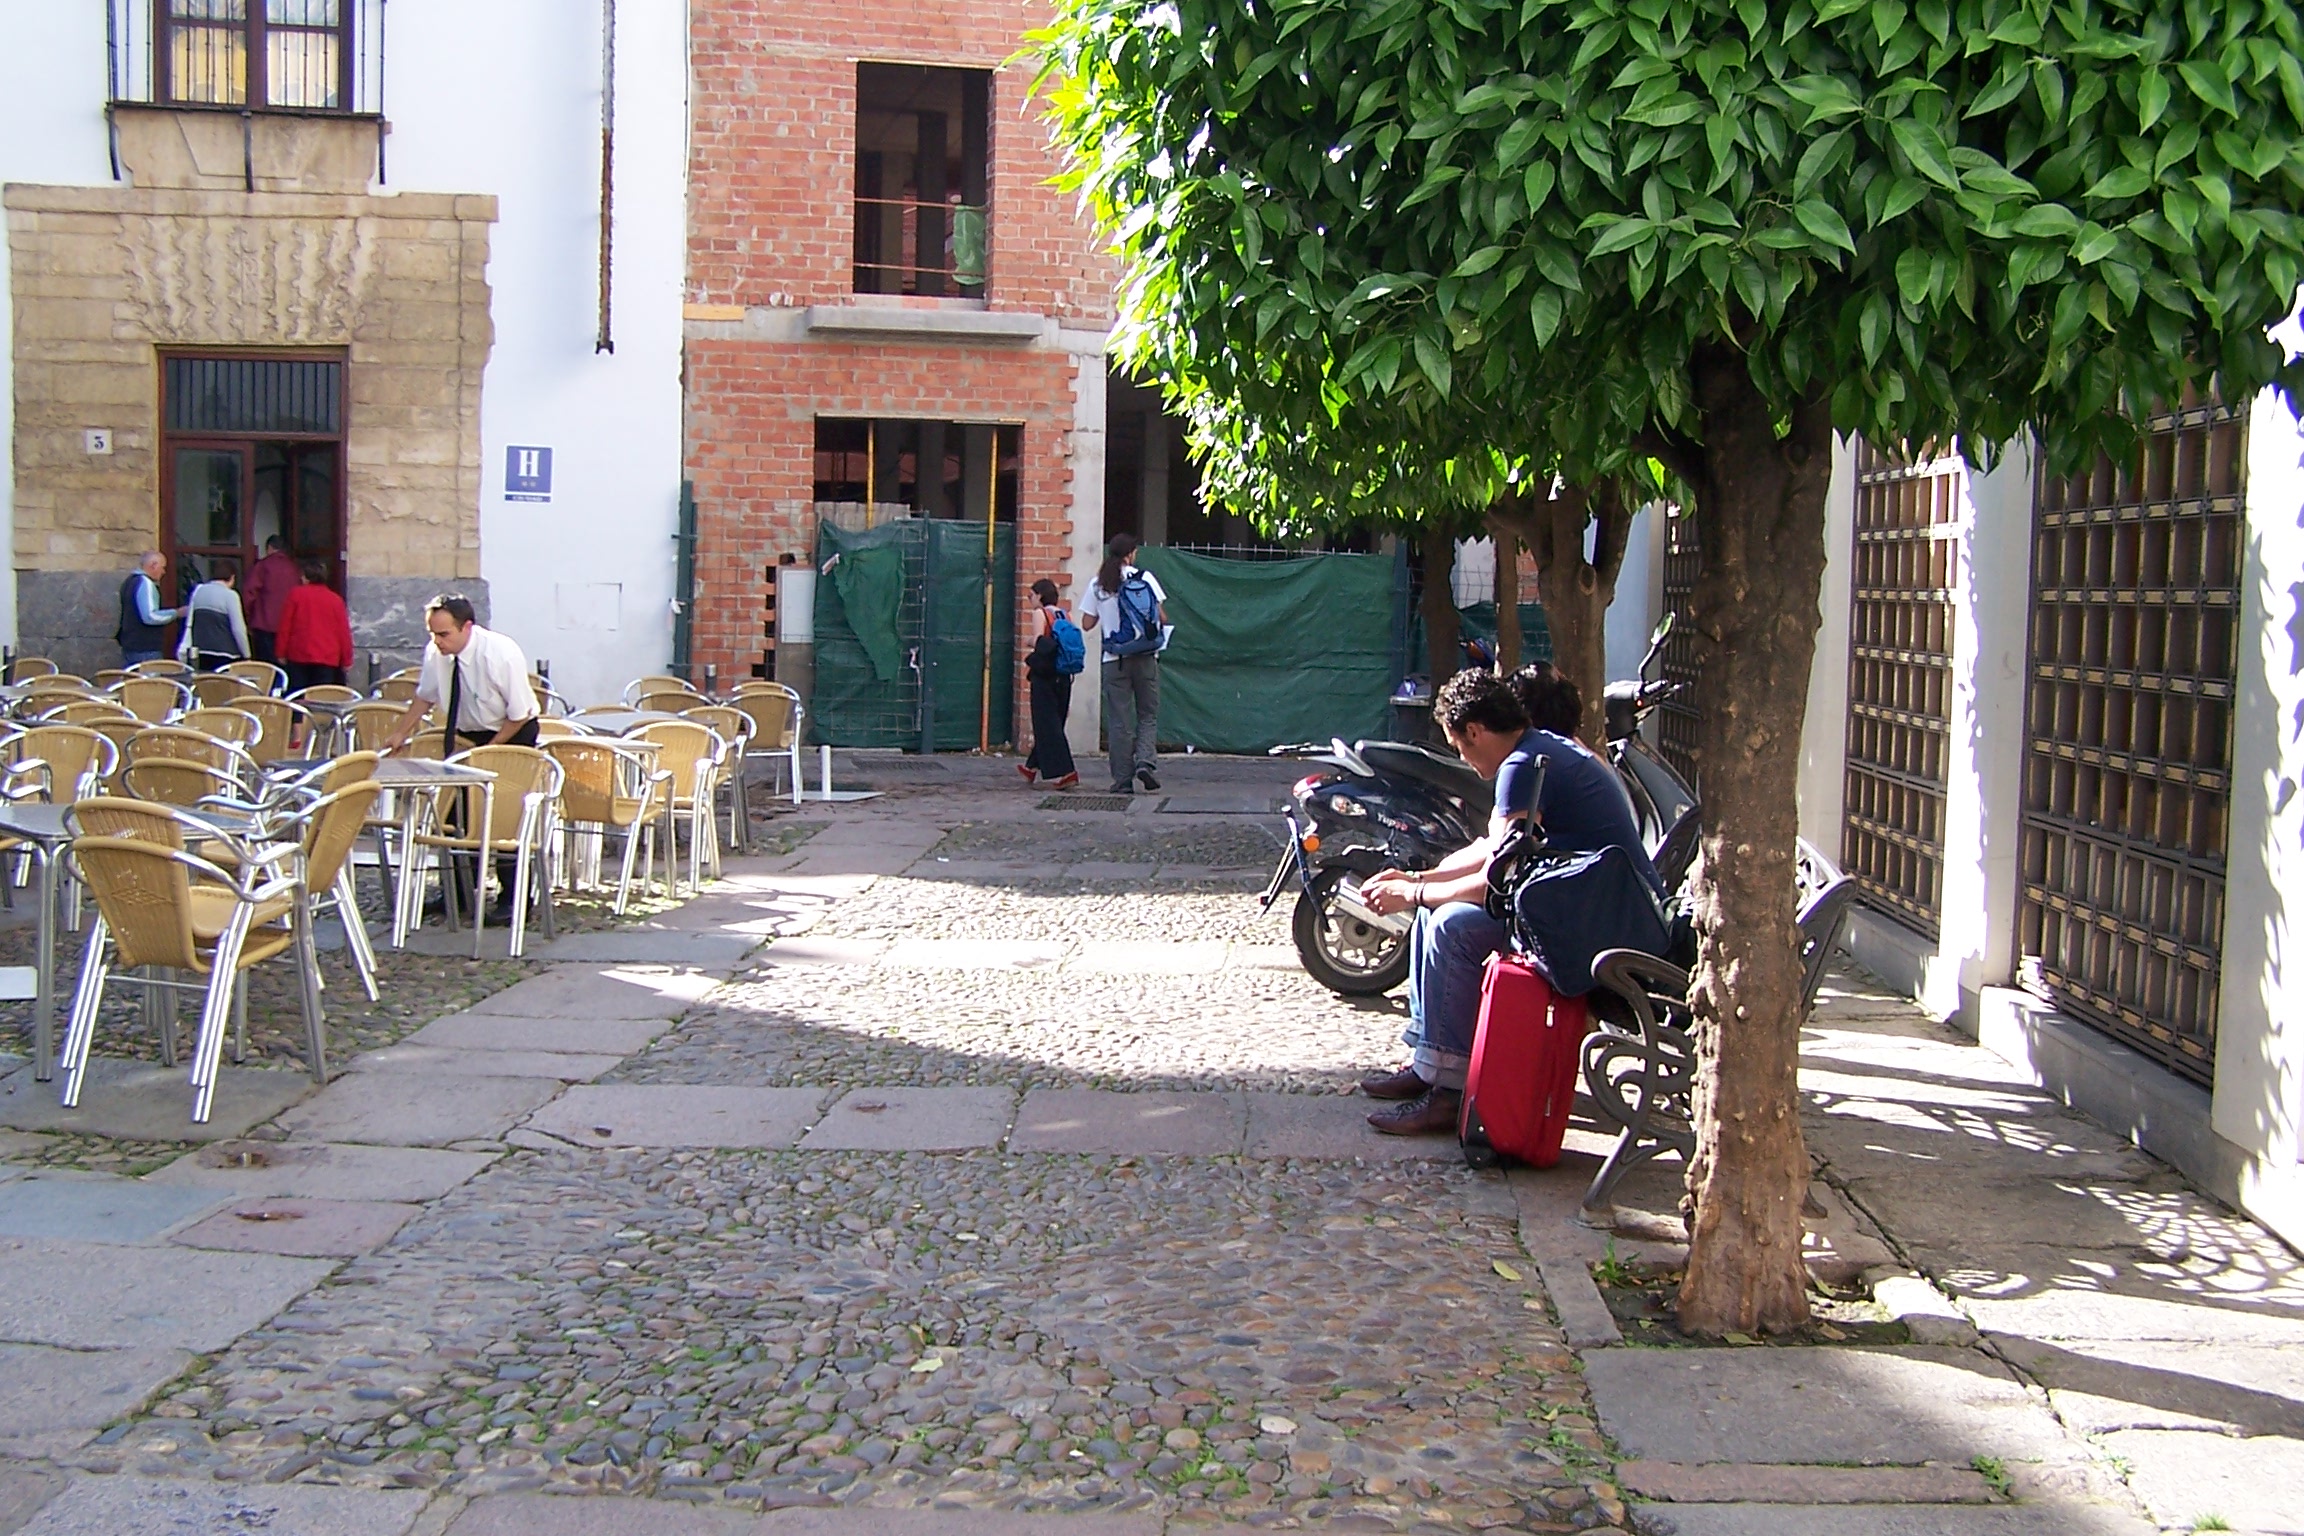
{"x": 907, "y": 246}
{"x": 247, "y": 55}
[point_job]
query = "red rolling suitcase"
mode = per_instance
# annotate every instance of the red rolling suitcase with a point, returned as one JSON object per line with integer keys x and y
{"x": 1522, "y": 1081}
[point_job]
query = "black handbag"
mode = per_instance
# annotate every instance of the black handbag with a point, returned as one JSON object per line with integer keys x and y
{"x": 1568, "y": 908}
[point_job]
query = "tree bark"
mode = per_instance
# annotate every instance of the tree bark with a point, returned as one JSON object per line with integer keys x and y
{"x": 1760, "y": 530}
{"x": 1507, "y": 545}
{"x": 1575, "y": 589}
{"x": 1438, "y": 605}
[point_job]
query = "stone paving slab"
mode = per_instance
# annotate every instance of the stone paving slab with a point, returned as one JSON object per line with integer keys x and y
{"x": 2252, "y": 1485}
{"x": 102, "y": 1296}
{"x": 913, "y": 1120}
{"x": 23, "y": 1489}
{"x": 1334, "y": 1126}
{"x": 1131, "y": 958}
{"x": 500, "y": 1032}
{"x": 323, "y": 1171}
{"x": 415, "y": 1109}
{"x": 450, "y": 1061}
{"x": 677, "y": 1115}
{"x": 96, "y": 1207}
{"x": 973, "y": 954}
{"x": 1797, "y": 1405}
{"x": 2099, "y": 1386}
{"x": 1727, "y": 1483}
{"x": 1887, "y": 1520}
{"x": 313, "y": 1229}
{"x": 601, "y": 992}
{"x": 1094, "y": 1120}
{"x": 148, "y": 1506}
{"x": 950, "y": 1521}
{"x": 711, "y": 951}
{"x": 2055, "y": 1300}
{"x": 560, "y": 1515}
{"x": 812, "y": 951}
{"x": 55, "y": 1400}
{"x": 138, "y": 1101}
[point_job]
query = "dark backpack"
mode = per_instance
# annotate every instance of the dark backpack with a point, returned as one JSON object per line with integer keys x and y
{"x": 1071, "y": 645}
{"x": 1138, "y": 631}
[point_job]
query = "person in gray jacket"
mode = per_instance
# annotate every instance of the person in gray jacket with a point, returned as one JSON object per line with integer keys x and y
{"x": 215, "y": 628}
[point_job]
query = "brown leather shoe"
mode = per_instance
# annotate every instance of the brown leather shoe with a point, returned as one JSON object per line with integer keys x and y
{"x": 1403, "y": 1084}
{"x": 1432, "y": 1113}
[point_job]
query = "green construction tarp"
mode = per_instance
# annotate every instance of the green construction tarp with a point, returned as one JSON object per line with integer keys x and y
{"x": 1271, "y": 651}
{"x": 871, "y": 583}
{"x": 878, "y": 683}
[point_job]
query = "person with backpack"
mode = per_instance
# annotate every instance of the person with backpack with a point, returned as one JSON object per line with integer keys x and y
{"x": 1059, "y": 654}
{"x": 1129, "y": 610}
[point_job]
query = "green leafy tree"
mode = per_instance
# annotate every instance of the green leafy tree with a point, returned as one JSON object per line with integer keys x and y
{"x": 1713, "y": 232}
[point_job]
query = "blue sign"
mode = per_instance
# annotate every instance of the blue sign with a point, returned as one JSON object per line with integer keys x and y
{"x": 527, "y": 474}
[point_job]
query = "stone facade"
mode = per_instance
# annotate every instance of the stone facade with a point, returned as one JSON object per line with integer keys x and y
{"x": 105, "y": 279}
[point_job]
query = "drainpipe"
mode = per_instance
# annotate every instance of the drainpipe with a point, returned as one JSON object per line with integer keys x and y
{"x": 605, "y": 339}
{"x": 684, "y": 580}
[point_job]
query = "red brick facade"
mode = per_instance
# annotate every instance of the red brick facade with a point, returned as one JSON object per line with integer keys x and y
{"x": 771, "y": 228}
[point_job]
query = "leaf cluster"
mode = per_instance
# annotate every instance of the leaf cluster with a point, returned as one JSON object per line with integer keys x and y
{"x": 1469, "y": 222}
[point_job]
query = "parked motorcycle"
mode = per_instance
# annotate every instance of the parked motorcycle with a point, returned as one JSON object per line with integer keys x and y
{"x": 1664, "y": 803}
{"x": 1367, "y": 807}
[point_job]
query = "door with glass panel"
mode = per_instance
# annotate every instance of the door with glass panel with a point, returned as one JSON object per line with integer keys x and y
{"x": 254, "y": 450}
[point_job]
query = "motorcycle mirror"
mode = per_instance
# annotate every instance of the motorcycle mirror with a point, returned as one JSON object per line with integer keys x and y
{"x": 1352, "y": 761}
{"x": 1656, "y": 639}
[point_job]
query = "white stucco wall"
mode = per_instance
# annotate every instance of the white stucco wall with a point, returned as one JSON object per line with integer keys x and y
{"x": 2259, "y": 1083}
{"x": 500, "y": 99}
{"x": 1639, "y": 600}
{"x": 1824, "y": 732}
{"x": 504, "y": 98}
{"x": 52, "y": 90}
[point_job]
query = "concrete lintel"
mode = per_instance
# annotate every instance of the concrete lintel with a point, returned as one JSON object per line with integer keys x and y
{"x": 939, "y": 324}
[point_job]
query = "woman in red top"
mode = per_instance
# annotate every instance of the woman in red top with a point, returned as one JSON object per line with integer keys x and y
{"x": 315, "y": 642}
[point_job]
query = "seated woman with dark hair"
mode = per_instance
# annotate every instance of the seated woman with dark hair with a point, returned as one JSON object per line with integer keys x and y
{"x": 1552, "y": 702}
{"x": 1581, "y": 807}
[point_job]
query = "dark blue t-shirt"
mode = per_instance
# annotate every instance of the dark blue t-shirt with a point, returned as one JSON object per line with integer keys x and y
{"x": 1584, "y": 807}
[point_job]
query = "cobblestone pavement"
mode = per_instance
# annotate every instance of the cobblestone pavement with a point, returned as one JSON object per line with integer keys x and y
{"x": 1297, "y": 1341}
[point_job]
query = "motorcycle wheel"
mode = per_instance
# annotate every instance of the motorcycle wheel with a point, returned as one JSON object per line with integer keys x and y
{"x": 1342, "y": 953}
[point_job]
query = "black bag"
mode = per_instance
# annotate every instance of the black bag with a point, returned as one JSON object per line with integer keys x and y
{"x": 1567, "y": 908}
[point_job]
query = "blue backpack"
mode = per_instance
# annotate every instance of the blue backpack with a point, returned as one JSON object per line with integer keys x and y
{"x": 1071, "y": 645}
{"x": 1138, "y": 631}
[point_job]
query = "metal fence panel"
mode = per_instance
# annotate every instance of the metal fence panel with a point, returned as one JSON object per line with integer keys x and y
{"x": 2127, "y": 779}
{"x": 1909, "y": 516}
{"x": 1676, "y": 717}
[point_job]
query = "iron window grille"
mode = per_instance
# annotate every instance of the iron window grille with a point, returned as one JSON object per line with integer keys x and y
{"x": 317, "y": 56}
{"x": 1908, "y": 520}
{"x": 1676, "y": 718}
{"x": 2128, "y": 768}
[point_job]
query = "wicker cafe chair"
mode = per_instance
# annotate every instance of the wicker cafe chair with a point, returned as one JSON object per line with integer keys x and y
{"x": 669, "y": 701}
{"x": 327, "y": 693}
{"x": 211, "y": 689}
{"x": 177, "y": 781}
{"x": 61, "y": 682}
{"x": 657, "y": 682}
{"x": 263, "y": 676}
{"x": 776, "y": 714}
{"x": 162, "y": 667}
{"x": 79, "y": 759}
{"x": 233, "y": 725}
{"x": 283, "y": 728}
{"x": 366, "y": 726}
{"x": 169, "y": 908}
{"x": 328, "y": 830}
{"x": 551, "y": 728}
{"x": 77, "y": 711}
{"x": 118, "y": 731}
{"x": 27, "y": 668}
{"x": 689, "y": 755}
{"x": 399, "y": 687}
{"x": 608, "y": 787}
{"x": 111, "y": 677}
{"x": 734, "y": 728}
{"x": 153, "y": 698}
{"x": 521, "y": 823}
{"x": 174, "y": 741}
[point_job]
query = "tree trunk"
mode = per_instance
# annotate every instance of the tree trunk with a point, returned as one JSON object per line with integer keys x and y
{"x": 1760, "y": 526}
{"x": 1439, "y": 606}
{"x": 1576, "y": 589}
{"x": 1507, "y": 545}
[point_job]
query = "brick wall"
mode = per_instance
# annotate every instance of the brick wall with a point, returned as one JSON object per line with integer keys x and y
{"x": 771, "y": 226}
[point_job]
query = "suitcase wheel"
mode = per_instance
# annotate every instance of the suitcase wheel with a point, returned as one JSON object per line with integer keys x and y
{"x": 1473, "y": 1137}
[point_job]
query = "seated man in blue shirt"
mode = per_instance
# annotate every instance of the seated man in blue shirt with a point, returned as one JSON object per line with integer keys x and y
{"x": 1582, "y": 807}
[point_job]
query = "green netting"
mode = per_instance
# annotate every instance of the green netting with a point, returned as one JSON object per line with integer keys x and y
{"x": 1480, "y": 620}
{"x": 877, "y": 683}
{"x": 1268, "y": 651}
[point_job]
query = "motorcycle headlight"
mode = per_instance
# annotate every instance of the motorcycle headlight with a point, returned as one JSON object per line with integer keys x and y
{"x": 1345, "y": 805}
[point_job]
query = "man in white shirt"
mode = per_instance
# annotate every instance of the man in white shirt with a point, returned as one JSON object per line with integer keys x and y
{"x": 479, "y": 678}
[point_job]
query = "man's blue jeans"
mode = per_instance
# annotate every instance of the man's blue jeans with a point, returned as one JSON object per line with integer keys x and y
{"x": 130, "y": 658}
{"x": 1447, "y": 958}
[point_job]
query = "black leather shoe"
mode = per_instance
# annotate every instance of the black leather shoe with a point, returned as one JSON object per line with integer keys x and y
{"x": 1432, "y": 1113}
{"x": 1403, "y": 1084}
{"x": 1144, "y": 777}
{"x": 1121, "y": 789}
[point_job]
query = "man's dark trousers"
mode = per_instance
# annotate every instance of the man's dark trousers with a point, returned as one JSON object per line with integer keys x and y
{"x": 507, "y": 865}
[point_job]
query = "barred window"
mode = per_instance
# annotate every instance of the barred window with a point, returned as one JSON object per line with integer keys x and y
{"x": 273, "y": 53}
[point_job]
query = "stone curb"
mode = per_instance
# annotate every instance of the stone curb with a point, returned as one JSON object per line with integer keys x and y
{"x": 1931, "y": 1316}
{"x": 1749, "y": 1483}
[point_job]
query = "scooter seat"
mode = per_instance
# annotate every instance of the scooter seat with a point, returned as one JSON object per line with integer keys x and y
{"x": 1449, "y": 775}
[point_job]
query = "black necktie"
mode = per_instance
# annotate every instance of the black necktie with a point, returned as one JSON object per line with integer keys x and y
{"x": 455, "y": 704}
